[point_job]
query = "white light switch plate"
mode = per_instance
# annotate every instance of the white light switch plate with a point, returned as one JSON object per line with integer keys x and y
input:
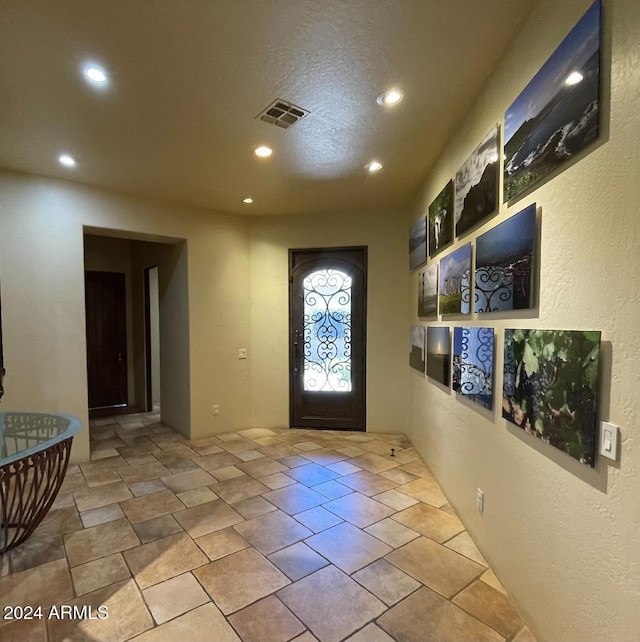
{"x": 609, "y": 440}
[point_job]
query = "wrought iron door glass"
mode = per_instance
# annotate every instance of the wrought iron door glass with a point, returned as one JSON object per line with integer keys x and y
{"x": 327, "y": 331}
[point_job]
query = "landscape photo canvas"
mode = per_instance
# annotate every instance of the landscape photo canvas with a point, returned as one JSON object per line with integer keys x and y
{"x": 439, "y": 354}
{"x": 550, "y": 387}
{"x": 476, "y": 191}
{"x": 428, "y": 292}
{"x": 418, "y": 243}
{"x": 473, "y": 364}
{"x": 416, "y": 353}
{"x": 441, "y": 220}
{"x": 557, "y": 114}
{"x": 455, "y": 282}
{"x": 505, "y": 260}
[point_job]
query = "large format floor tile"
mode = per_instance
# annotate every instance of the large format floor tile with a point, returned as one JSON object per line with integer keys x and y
{"x": 239, "y": 579}
{"x": 254, "y": 536}
{"x": 203, "y": 624}
{"x": 437, "y": 567}
{"x": 331, "y": 604}
{"x": 127, "y": 616}
{"x": 428, "y": 616}
{"x": 99, "y": 541}
{"x": 269, "y": 619}
{"x": 165, "y": 558}
{"x": 207, "y": 518}
{"x": 359, "y": 509}
{"x": 348, "y": 547}
{"x": 272, "y": 531}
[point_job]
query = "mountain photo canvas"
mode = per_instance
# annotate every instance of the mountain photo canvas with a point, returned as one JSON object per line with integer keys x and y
{"x": 477, "y": 184}
{"x": 557, "y": 114}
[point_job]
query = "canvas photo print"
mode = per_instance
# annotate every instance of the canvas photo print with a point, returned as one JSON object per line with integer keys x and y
{"x": 473, "y": 364}
{"x": 428, "y": 292}
{"x": 441, "y": 220}
{"x": 439, "y": 354}
{"x": 557, "y": 114}
{"x": 505, "y": 264}
{"x": 416, "y": 354}
{"x": 551, "y": 387}
{"x": 418, "y": 243}
{"x": 476, "y": 192}
{"x": 455, "y": 282}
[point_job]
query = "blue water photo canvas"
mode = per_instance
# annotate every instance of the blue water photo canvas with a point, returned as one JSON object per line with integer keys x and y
{"x": 505, "y": 260}
{"x": 557, "y": 114}
{"x": 473, "y": 364}
{"x": 455, "y": 282}
{"x": 550, "y": 387}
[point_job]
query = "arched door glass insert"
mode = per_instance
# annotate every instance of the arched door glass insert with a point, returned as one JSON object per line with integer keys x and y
{"x": 327, "y": 331}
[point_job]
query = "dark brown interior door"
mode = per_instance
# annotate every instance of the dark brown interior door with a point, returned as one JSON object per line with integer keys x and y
{"x": 327, "y": 330}
{"x": 106, "y": 338}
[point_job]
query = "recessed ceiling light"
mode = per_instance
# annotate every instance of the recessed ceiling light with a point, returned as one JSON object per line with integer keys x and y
{"x": 574, "y": 78}
{"x": 263, "y": 151}
{"x": 66, "y": 160}
{"x": 247, "y": 200}
{"x": 95, "y": 74}
{"x": 374, "y": 166}
{"x": 390, "y": 97}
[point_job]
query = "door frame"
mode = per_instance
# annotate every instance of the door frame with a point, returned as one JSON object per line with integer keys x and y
{"x": 318, "y": 251}
{"x": 148, "y": 373}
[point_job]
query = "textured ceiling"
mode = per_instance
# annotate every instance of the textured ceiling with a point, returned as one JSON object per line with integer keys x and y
{"x": 188, "y": 78}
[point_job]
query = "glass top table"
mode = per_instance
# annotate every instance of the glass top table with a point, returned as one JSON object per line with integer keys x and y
{"x": 34, "y": 455}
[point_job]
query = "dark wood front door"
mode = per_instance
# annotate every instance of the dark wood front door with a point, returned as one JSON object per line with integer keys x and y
{"x": 105, "y": 302}
{"x": 327, "y": 336}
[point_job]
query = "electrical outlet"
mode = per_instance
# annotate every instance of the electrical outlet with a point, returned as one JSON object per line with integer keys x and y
{"x": 216, "y": 409}
{"x": 242, "y": 353}
{"x": 480, "y": 500}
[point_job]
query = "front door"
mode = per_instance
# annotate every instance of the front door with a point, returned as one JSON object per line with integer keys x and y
{"x": 327, "y": 336}
{"x": 106, "y": 339}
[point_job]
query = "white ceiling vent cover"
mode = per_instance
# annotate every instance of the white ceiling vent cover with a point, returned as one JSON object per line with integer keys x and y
{"x": 282, "y": 114}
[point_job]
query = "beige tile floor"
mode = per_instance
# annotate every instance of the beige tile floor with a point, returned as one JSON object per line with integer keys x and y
{"x": 261, "y": 536}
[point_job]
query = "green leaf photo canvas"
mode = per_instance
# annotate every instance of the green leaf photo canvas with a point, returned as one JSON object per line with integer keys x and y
{"x": 550, "y": 387}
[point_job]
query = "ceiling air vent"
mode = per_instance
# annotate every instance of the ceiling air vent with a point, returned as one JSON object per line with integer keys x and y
{"x": 282, "y": 114}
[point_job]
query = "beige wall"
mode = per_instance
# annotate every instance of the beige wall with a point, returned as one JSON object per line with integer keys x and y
{"x": 41, "y": 263}
{"x": 563, "y": 538}
{"x": 387, "y": 330}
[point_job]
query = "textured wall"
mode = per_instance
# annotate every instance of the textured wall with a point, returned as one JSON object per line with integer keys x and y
{"x": 563, "y": 538}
